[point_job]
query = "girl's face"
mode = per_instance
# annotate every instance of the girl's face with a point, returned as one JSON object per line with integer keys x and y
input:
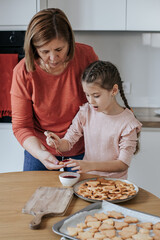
{"x": 100, "y": 99}
{"x": 54, "y": 53}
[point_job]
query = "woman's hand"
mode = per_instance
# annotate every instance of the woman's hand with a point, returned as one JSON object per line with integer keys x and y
{"x": 34, "y": 146}
{"x": 48, "y": 160}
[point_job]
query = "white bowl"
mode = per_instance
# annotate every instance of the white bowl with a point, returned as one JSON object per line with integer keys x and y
{"x": 68, "y": 179}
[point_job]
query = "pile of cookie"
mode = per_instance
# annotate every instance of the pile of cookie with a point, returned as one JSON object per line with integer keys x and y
{"x": 106, "y": 189}
{"x": 112, "y": 225}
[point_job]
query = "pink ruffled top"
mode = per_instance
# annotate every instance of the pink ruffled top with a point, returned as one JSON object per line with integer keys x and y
{"x": 107, "y": 137}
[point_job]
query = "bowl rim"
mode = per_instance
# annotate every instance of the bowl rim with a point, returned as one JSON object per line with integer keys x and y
{"x": 69, "y": 173}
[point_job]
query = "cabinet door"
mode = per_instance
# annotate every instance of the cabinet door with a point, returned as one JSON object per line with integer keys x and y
{"x": 145, "y": 166}
{"x": 143, "y": 15}
{"x": 16, "y": 12}
{"x": 12, "y": 153}
{"x": 93, "y": 14}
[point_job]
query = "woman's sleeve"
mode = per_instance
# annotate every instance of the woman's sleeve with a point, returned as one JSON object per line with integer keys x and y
{"x": 75, "y": 130}
{"x": 22, "y": 123}
{"x": 22, "y": 113}
{"x": 128, "y": 142}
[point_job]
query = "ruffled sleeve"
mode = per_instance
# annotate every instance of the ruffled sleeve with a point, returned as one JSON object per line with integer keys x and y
{"x": 75, "y": 130}
{"x": 131, "y": 126}
{"x": 128, "y": 141}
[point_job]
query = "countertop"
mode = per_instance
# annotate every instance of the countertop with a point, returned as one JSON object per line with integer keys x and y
{"x": 147, "y": 117}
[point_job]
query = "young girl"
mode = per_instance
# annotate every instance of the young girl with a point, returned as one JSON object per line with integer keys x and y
{"x": 110, "y": 131}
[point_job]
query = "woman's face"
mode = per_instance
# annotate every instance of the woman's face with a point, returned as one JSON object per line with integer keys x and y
{"x": 54, "y": 53}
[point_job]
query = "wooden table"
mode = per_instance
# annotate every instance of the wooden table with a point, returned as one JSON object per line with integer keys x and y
{"x": 17, "y": 188}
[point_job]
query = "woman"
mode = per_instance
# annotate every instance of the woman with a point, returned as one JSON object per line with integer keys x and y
{"x": 46, "y": 89}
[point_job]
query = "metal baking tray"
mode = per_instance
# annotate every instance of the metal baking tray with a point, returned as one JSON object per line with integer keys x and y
{"x": 58, "y": 228}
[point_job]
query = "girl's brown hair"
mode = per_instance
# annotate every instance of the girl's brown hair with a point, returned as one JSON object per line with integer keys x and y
{"x": 106, "y": 75}
{"x": 45, "y": 26}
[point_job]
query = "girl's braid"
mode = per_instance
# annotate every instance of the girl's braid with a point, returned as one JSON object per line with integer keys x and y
{"x": 122, "y": 93}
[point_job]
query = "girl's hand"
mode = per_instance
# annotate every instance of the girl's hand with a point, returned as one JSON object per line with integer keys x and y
{"x": 60, "y": 144}
{"x": 81, "y": 165}
{"x": 52, "y": 139}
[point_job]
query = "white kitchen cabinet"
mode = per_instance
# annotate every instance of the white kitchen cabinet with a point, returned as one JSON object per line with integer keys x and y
{"x": 143, "y": 15}
{"x": 11, "y": 152}
{"x": 145, "y": 167}
{"x": 16, "y": 14}
{"x": 93, "y": 14}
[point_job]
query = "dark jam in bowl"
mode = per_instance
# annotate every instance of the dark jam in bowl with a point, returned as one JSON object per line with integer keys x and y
{"x": 69, "y": 176}
{"x": 65, "y": 160}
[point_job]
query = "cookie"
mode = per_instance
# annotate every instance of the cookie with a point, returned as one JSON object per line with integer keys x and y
{"x": 94, "y": 224}
{"x": 157, "y": 226}
{"x": 117, "y": 238}
{"x": 99, "y": 236}
{"x": 146, "y": 225}
{"x": 105, "y": 226}
{"x": 109, "y": 221}
{"x": 142, "y": 236}
{"x": 101, "y": 216}
{"x": 82, "y": 225}
{"x": 120, "y": 225}
{"x": 128, "y": 232}
{"x": 144, "y": 230}
{"x": 109, "y": 233}
{"x": 115, "y": 214}
{"x": 85, "y": 235}
{"x": 129, "y": 219}
{"x": 73, "y": 231}
{"x": 90, "y": 218}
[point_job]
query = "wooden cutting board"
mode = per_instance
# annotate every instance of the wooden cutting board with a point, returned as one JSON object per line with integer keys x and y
{"x": 47, "y": 201}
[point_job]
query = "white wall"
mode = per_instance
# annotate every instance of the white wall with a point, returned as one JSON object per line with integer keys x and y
{"x": 11, "y": 152}
{"x": 138, "y": 64}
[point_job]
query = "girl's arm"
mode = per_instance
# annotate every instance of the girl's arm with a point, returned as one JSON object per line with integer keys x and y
{"x": 86, "y": 166}
{"x": 127, "y": 148}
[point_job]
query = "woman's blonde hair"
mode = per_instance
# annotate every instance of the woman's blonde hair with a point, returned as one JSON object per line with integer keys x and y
{"x": 45, "y": 26}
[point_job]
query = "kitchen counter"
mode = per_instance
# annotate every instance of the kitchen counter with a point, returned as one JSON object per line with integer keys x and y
{"x": 16, "y": 189}
{"x": 147, "y": 117}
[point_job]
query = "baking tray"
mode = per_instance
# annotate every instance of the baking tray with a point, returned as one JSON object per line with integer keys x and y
{"x": 56, "y": 227}
{"x": 60, "y": 227}
{"x": 76, "y": 186}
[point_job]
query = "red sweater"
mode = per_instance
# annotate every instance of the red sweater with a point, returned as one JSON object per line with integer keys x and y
{"x": 41, "y": 101}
